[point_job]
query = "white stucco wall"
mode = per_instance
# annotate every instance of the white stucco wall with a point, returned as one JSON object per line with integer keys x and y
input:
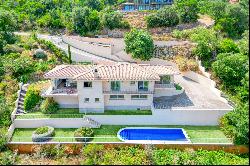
{"x": 95, "y": 91}
{"x": 67, "y": 101}
{"x": 159, "y": 117}
{"x": 127, "y": 103}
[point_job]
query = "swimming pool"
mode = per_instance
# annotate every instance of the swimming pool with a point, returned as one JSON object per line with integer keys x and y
{"x": 142, "y": 134}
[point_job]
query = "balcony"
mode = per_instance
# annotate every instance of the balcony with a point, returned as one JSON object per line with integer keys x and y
{"x": 111, "y": 92}
{"x": 60, "y": 92}
{"x": 164, "y": 86}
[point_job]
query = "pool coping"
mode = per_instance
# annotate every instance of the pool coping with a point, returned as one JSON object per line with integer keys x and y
{"x": 154, "y": 141}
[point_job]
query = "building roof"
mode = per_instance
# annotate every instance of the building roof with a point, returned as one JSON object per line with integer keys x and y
{"x": 118, "y": 71}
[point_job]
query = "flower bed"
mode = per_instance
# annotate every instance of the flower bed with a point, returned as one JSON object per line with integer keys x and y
{"x": 43, "y": 134}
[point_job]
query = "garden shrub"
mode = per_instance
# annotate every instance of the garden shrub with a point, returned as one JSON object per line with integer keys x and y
{"x": 93, "y": 154}
{"x": 227, "y": 46}
{"x": 32, "y": 97}
{"x": 235, "y": 124}
{"x": 51, "y": 151}
{"x": 49, "y": 106}
{"x": 178, "y": 87}
{"x": 230, "y": 68}
{"x": 199, "y": 157}
{"x": 3, "y": 140}
{"x": 41, "y": 134}
{"x": 12, "y": 48}
{"x": 40, "y": 54}
{"x": 185, "y": 64}
{"x": 113, "y": 20}
{"x": 8, "y": 158}
{"x": 165, "y": 17}
{"x": 187, "y": 10}
{"x": 84, "y": 132}
{"x": 140, "y": 44}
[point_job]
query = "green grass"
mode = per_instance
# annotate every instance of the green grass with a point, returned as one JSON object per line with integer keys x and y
{"x": 197, "y": 134}
{"x": 74, "y": 113}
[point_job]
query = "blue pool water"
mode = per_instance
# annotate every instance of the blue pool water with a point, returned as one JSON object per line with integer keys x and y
{"x": 153, "y": 134}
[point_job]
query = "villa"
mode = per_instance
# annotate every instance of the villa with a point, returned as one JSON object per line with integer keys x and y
{"x": 132, "y": 5}
{"x": 119, "y": 86}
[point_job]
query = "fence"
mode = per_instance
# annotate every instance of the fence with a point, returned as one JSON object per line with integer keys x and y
{"x": 47, "y": 116}
{"x": 104, "y": 140}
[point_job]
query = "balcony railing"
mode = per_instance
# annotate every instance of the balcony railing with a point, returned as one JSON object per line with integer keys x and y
{"x": 128, "y": 92}
{"x": 171, "y": 85}
{"x": 60, "y": 91}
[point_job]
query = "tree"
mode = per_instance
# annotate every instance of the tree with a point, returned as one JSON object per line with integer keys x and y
{"x": 235, "y": 21}
{"x": 85, "y": 20}
{"x": 228, "y": 45}
{"x": 112, "y": 20}
{"x": 243, "y": 43}
{"x": 7, "y": 27}
{"x": 235, "y": 124}
{"x": 140, "y": 44}
{"x": 206, "y": 40}
{"x": 188, "y": 10}
{"x": 69, "y": 52}
{"x": 94, "y": 4}
{"x": 165, "y": 17}
{"x": 230, "y": 68}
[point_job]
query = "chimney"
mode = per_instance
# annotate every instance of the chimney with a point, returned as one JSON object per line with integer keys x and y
{"x": 96, "y": 75}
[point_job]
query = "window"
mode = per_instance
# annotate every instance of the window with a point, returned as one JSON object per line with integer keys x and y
{"x": 97, "y": 99}
{"x": 139, "y": 97}
{"x": 115, "y": 85}
{"x": 132, "y": 82}
{"x": 116, "y": 97}
{"x": 87, "y": 84}
{"x": 143, "y": 85}
{"x": 86, "y": 100}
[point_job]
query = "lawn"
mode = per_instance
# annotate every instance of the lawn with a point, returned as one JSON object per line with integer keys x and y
{"x": 197, "y": 134}
{"x": 74, "y": 113}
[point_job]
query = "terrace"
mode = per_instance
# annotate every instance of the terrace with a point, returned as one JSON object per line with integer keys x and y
{"x": 61, "y": 87}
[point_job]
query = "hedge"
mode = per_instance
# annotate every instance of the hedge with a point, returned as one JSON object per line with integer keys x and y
{"x": 32, "y": 97}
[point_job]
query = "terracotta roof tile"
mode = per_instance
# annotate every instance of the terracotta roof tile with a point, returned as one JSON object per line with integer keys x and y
{"x": 119, "y": 71}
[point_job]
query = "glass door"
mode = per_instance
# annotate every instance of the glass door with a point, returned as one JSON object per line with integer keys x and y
{"x": 142, "y": 85}
{"x": 115, "y": 85}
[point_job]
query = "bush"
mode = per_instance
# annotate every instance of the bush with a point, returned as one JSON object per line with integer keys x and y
{"x": 113, "y": 20}
{"x": 230, "y": 68}
{"x": 165, "y": 17}
{"x": 3, "y": 140}
{"x": 8, "y": 158}
{"x": 12, "y": 48}
{"x": 235, "y": 124}
{"x": 40, "y": 54}
{"x": 32, "y": 97}
{"x": 41, "y": 134}
{"x": 228, "y": 45}
{"x": 187, "y": 10}
{"x": 185, "y": 64}
{"x": 49, "y": 106}
{"x": 51, "y": 151}
{"x": 83, "y": 132}
{"x": 178, "y": 87}
{"x": 140, "y": 44}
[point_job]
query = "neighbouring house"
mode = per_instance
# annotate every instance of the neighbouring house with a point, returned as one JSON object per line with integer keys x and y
{"x": 118, "y": 86}
{"x": 132, "y": 5}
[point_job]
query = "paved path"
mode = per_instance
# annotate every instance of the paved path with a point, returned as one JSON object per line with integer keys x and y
{"x": 77, "y": 55}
